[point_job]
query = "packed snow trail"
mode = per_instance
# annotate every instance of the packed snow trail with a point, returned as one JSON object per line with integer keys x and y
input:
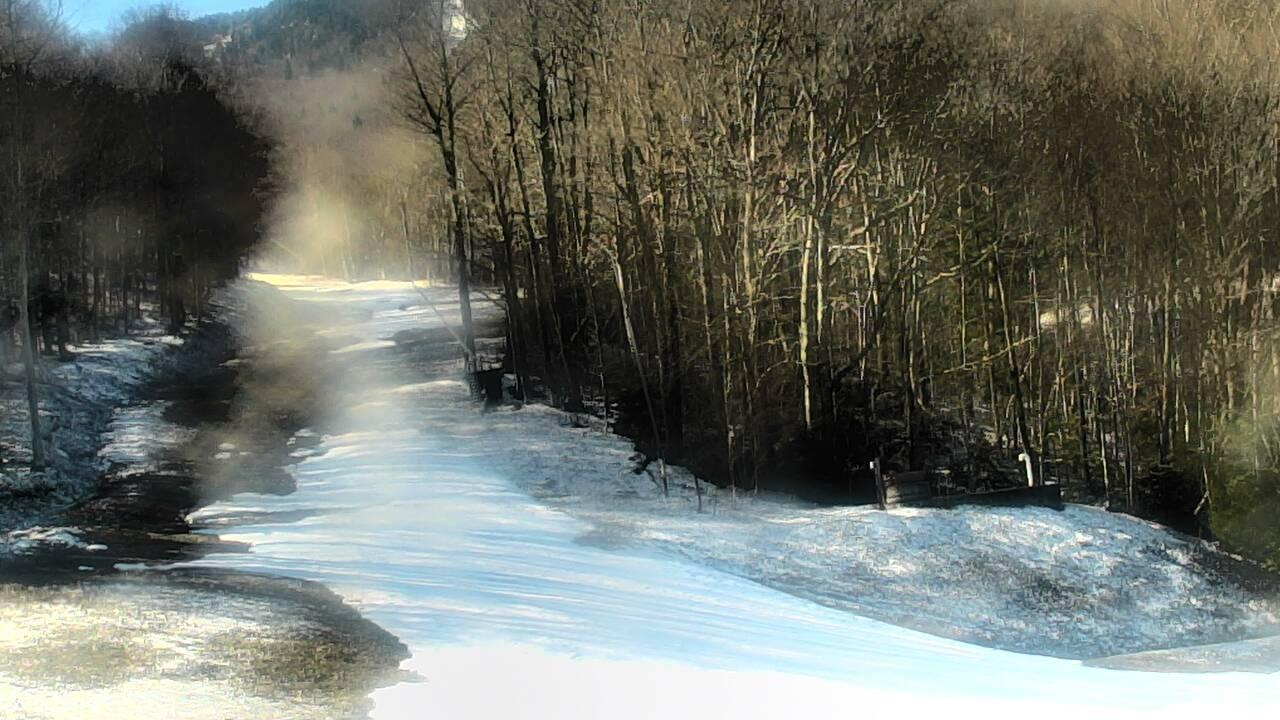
{"x": 513, "y": 608}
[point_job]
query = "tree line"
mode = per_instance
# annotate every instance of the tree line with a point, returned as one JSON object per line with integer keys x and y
{"x": 356, "y": 195}
{"x": 127, "y": 184}
{"x": 775, "y": 239}
{"x": 794, "y": 235}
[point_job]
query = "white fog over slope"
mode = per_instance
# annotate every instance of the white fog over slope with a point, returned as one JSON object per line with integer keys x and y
{"x": 532, "y": 577}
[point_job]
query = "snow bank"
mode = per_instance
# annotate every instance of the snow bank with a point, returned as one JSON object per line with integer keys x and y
{"x": 532, "y": 578}
{"x": 1078, "y": 583}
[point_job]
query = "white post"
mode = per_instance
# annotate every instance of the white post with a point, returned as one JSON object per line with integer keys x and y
{"x": 1026, "y": 462}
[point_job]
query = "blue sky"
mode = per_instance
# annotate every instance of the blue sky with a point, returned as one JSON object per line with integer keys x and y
{"x": 92, "y": 16}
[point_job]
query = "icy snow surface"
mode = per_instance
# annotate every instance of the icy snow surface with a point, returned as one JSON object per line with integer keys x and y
{"x": 139, "y": 435}
{"x": 532, "y": 577}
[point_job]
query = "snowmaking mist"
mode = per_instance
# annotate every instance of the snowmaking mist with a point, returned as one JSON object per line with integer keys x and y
{"x": 345, "y": 200}
{"x": 354, "y": 181}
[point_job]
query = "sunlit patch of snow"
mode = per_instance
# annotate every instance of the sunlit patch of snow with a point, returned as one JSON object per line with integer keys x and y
{"x": 139, "y": 435}
{"x": 111, "y": 369}
{"x": 24, "y": 542}
{"x": 364, "y": 346}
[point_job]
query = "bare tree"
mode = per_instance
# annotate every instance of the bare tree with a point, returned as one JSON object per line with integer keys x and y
{"x": 434, "y": 80}
{"x": 30, "y": 27}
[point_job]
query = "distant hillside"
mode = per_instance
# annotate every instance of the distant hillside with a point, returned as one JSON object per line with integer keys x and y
{"x": 294, "y": 36}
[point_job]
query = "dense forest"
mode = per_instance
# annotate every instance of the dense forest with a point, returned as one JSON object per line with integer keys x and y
{"x": 126, "y": 182}
{"x": 794, "y": 235}
{"x": 771, "y": 239}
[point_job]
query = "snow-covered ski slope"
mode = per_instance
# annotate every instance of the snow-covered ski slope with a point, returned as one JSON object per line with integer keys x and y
{"x": 1081, "y": 583}
{"x": 532, "y": 578}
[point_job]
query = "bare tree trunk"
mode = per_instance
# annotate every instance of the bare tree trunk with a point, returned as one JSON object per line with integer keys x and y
{"x": 806, "y": 261}
{"x": 1015, "y": 373}
{"x": 21, "y": 224}
{"x": 621, "y": 283}
{"x": 458, "y": 231}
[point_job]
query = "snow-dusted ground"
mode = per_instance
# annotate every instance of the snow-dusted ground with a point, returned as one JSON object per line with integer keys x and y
{"x": 77, "y": 400}
{"x": 531, "y": 577}
{"x": 1079, "y": 583}
{"x": 139, "y": 434}
{"x": 26, "y": 541}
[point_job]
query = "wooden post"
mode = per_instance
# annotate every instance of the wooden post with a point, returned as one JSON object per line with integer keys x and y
{"x": 1026, "y": 462}
{"x": 875, "y": 466}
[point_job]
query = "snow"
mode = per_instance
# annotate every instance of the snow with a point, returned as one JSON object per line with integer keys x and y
{"x": 532, "y": 576}
{"x": 24, "y": 542}
{"x": 145, "y": 698}
{"x": 77, "y": 400}
{"x": 1260, "y": 655}
{"x": 1077, "y": 583}
{"x": 139, "y": 435}
{"x": 148, "y": 645}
